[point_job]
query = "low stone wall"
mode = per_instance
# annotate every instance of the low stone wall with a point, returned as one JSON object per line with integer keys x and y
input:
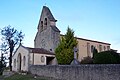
{"x": 80, "y": 72}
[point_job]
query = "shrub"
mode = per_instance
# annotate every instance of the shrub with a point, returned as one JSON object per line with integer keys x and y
{"x": 87, "y": 60}
{"x": 106, "y": 57}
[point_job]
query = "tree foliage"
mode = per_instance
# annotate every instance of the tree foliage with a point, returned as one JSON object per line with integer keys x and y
{"x": 10, "y": 38}
{"x": 64, "y": 51}
{"x": 107, "y": 57}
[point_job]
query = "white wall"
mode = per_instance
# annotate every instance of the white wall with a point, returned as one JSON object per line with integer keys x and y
{"x": 24, "y": 52}
{"x": 37, "y": 58}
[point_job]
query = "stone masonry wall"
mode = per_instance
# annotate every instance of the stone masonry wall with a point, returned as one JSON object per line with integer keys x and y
{"x": 80, "y": 72}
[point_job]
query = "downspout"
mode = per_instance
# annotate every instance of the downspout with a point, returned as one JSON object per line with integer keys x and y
{"x": 33, "y": 59}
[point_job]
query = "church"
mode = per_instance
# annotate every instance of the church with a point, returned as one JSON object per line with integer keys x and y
{"x": 46, "y": 40}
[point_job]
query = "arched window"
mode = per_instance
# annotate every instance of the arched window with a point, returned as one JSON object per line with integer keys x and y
{"x": 100, "y": 48}
{"x": 92, "y": 48}
{"x": 14, "y": 62}
{"x": 24, "y": 60}
{"x": 108, "y": 47}
{"x": 88, "y": 49}
{"x": 104, "y": 48}
{"x": 45, "y": 22}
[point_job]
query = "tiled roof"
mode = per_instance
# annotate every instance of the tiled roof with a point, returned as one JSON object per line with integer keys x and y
{"x": 40, "y": 50}
{"x": 93, "y": 41}
{"x": 49, "y": 14}
{"x": 89, "y": 40}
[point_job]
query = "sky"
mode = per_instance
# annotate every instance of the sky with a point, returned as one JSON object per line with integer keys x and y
{"x": 90, "y": 19}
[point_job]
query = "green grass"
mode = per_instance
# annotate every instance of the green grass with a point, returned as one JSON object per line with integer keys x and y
{"x": 1, "y": 77}
{"x": 24, "y": 77}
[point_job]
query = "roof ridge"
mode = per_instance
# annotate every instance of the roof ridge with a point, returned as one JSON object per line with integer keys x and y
{"x": 89, "y": 40}
{"x": 40, "y": 50}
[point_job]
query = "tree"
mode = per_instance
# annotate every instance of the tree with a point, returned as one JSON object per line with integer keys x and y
{"x": 11, "y": 37}
{"x": 64, "y": 51}
{"x": 2, "y": 63}
{"x": 2, "y": 58}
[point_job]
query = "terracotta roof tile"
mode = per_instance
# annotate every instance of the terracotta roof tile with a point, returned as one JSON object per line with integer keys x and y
{"x": 40, "y": 50}
{"x": 89, "y": 40}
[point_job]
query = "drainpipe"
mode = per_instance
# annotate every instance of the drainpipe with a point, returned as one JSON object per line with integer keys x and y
{"x": 33, "y": 59}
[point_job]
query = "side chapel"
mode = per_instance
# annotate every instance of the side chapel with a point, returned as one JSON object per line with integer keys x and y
{"x": 45, "y": 42}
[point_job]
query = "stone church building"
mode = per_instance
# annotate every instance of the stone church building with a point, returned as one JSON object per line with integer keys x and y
{"x": 45, "y": 42}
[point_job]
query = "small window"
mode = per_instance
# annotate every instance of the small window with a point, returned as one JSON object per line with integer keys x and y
{"x": 92, "y": 48}
{"x": 14, "y": 62}
{"x": 24, "y": 60}
{"x": 42, "y": 58}
{"x": 108, "y": 47}
{"x": 100, "y": 48}
{"x": 45, "y": 23}
{"x": 88, "y": 49}
{"x": 41, "y": 25}
{"x": 104, "y": 48}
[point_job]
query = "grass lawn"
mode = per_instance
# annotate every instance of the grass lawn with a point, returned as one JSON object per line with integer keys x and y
{"x": 24, "y": 77}
{"x": 1, "y": 77}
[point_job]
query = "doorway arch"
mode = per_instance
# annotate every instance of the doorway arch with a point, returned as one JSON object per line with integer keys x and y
{"x": 19, "y": 62}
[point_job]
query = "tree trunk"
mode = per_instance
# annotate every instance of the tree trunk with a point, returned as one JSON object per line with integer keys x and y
{"x": 10, "y": 59}
{"x": 11, "y": 43}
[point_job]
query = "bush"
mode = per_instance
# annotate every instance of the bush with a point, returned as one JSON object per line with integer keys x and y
{"x": 87, "y": 60}
{"x": 106, "y": 57}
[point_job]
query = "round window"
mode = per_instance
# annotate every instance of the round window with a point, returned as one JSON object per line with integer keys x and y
{"x": 42, "y": 58}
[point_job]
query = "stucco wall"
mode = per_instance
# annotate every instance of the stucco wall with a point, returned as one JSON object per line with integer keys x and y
{"x": 82, "y": 48}
{"x": 81, "y": 72}
{"x": 35, "y": 58}
{"x": 23, "y": 52}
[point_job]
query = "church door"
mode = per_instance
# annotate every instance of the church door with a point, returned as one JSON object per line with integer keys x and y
{"x": 19, "y": 62}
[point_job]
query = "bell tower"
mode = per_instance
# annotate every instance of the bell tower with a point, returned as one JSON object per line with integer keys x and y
{"x": 48, "y": 35}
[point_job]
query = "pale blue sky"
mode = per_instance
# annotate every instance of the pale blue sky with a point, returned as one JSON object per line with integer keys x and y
{"x": 92, "y": 19}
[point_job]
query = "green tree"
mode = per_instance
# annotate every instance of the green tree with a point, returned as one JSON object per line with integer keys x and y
{"x": 10, "y": 37}
{"x": 64, "y": 51}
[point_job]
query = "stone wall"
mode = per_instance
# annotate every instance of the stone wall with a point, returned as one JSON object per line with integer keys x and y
{"x": 80, "y": 72}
